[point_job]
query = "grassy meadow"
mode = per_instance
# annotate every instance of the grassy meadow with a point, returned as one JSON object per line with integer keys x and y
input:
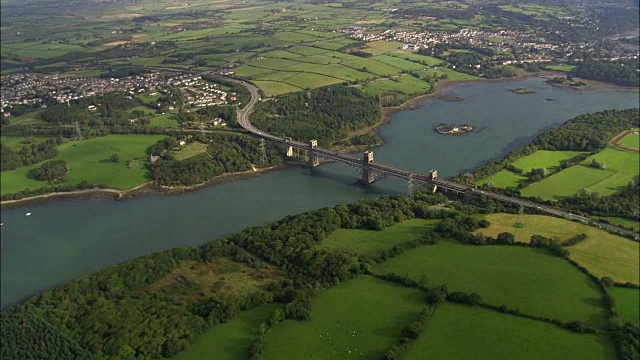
{"x": 462, "y": 332}
{"x": 604, "y": 254}
{"x": 343, "y": 325}
{"x": 631, "y": 141}
{"x": 87, "y": 161}
{"x": 368, "y": 241}
{"x": 621, "y": 168}
{"x": 228, "y": 341}
{"x": 627, "y": 303}
{"x": 524, "y": 278}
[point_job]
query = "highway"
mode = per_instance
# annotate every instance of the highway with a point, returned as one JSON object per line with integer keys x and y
{"x": 244, "y": 121}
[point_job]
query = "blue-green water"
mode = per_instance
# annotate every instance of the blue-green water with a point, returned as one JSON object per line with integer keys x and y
{"x": 66, "y": 239}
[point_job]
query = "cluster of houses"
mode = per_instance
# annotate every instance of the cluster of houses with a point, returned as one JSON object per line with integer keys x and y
{"x": 30, "y": 89}
{"x": 197, "y": 92}
{"x": 530, "y": 46}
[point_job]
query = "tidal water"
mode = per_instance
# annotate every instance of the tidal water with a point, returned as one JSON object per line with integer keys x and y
{"x": 65, "y": 239}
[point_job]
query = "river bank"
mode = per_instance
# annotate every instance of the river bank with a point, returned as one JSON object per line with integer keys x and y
{"x": 148, "y": 186}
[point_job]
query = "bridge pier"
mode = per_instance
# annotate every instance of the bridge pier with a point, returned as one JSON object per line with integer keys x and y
{"x": 290, "y": 151}
{"x": 367, "y": 175}
{"x": 313, "y": 157}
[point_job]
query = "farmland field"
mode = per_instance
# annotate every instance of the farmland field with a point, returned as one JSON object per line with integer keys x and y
{"x": 621, "y": 168}
{"x": 524, "y": 278}
{"x": 464, "y": 332}
{"x": 310, "y": 81}
{"x": 368, "y": 241}
{"x": 86, "y": 162}
{"x": 405, "y": 84}
{"x": 31, "y": 118}
{"x": 602, "y": 253}
{"x": 382, "y": 47}
{"x": 502, "y": 179}
{"x": 372, "y": 66}
{"x": 228, "y": 341}
{"x": 273, "y": 88}
{"x": 428, "y": 60}
{"x": 399, "y": 63}
{"x": 342, "y": 324}
{"x": 341, "y": 71}
{"x": 627, "y": 303}
{"x": 166, "y": 120}
{"x": 549, "y": 160}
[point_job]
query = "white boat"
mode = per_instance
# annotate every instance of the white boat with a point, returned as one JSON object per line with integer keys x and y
{"x": 27, "y": 214}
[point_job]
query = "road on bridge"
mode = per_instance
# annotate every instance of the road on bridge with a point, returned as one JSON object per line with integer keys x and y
{"x": 244, "y": 121}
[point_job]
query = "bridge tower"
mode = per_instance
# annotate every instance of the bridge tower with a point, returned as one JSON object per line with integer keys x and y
{"x": 433, "y": 174}
{"x": 313, "y": 157}
{"x": 367, "y": 174}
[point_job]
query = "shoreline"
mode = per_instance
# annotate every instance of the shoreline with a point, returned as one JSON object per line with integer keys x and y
{"x": 120, "y": 195}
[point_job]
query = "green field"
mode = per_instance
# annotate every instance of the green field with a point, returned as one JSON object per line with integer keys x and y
{"x": 165, "y": 121}
{"x": 524, "y": 278}
{"x": 87, "y": 162}
{"x": 372, "y": 66}
{"x": 549, "y": 160}
{"x": 631, "y": 141}
{"x": 273, "y": 88}
{"x": 400, "y": 63}
{"x": 627, "y": 303}
{"x": 616, "y": 257}
{"x": 358, "y": 319}
{"x": 604, "y": 254}
{"x": 190, "y": 150}
{"x": 32, "y": 118}
{"x": 228, "y": 341}
{"x": 502, "y": 179}
{"x": 565, "y": 68}
{"x": 368, "y": 241}
{"x": 463, "y": 332}
{"x": 405, "y": 84}
{"x": 427, "y": 60}
{"x": 311, "y": 81}
{"x": 17, "y": 142}
{"x": 382, "y": 47}
{"x": 621, "y": 168}
{"x": 341, "y": 72}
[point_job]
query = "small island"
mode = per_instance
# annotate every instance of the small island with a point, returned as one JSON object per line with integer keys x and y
{"x": 522, "y": 91}
{"x": 445, "y": 129}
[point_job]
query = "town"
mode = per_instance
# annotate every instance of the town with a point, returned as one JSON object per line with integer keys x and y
{"x": 32, "y": 91}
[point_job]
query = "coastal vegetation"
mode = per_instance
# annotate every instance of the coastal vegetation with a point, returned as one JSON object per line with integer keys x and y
{"x": 315, "y": 276}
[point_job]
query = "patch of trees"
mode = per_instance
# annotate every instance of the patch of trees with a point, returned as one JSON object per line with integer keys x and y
{"x": 225, "y": 154}
{"x": 51, "y": 171}
{"x": 620, "y": 72}
{"x": 326, "y": 114}
{"x": 28, "y": 154}
{"x": 367, "y": 139}
{"x": 409, "y": 334}
{"x": 626, "y": 340}
{"x": 19, "y": 323}
{"x": 361, "y": 53}
{"x": 111, "y": 110}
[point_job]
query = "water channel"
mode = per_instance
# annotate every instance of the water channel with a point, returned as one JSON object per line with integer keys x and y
{"x": 66, "y": 239}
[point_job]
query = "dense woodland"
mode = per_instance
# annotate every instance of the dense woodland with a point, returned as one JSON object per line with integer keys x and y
{"x": 590, "y": 133}
{"x": 226, "y": 153}
{"x": 621, "y": 72}
{"x": 326, "y": 114}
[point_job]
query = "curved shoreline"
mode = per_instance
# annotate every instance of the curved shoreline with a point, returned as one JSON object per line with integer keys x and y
{"x": 133, "y": 192}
